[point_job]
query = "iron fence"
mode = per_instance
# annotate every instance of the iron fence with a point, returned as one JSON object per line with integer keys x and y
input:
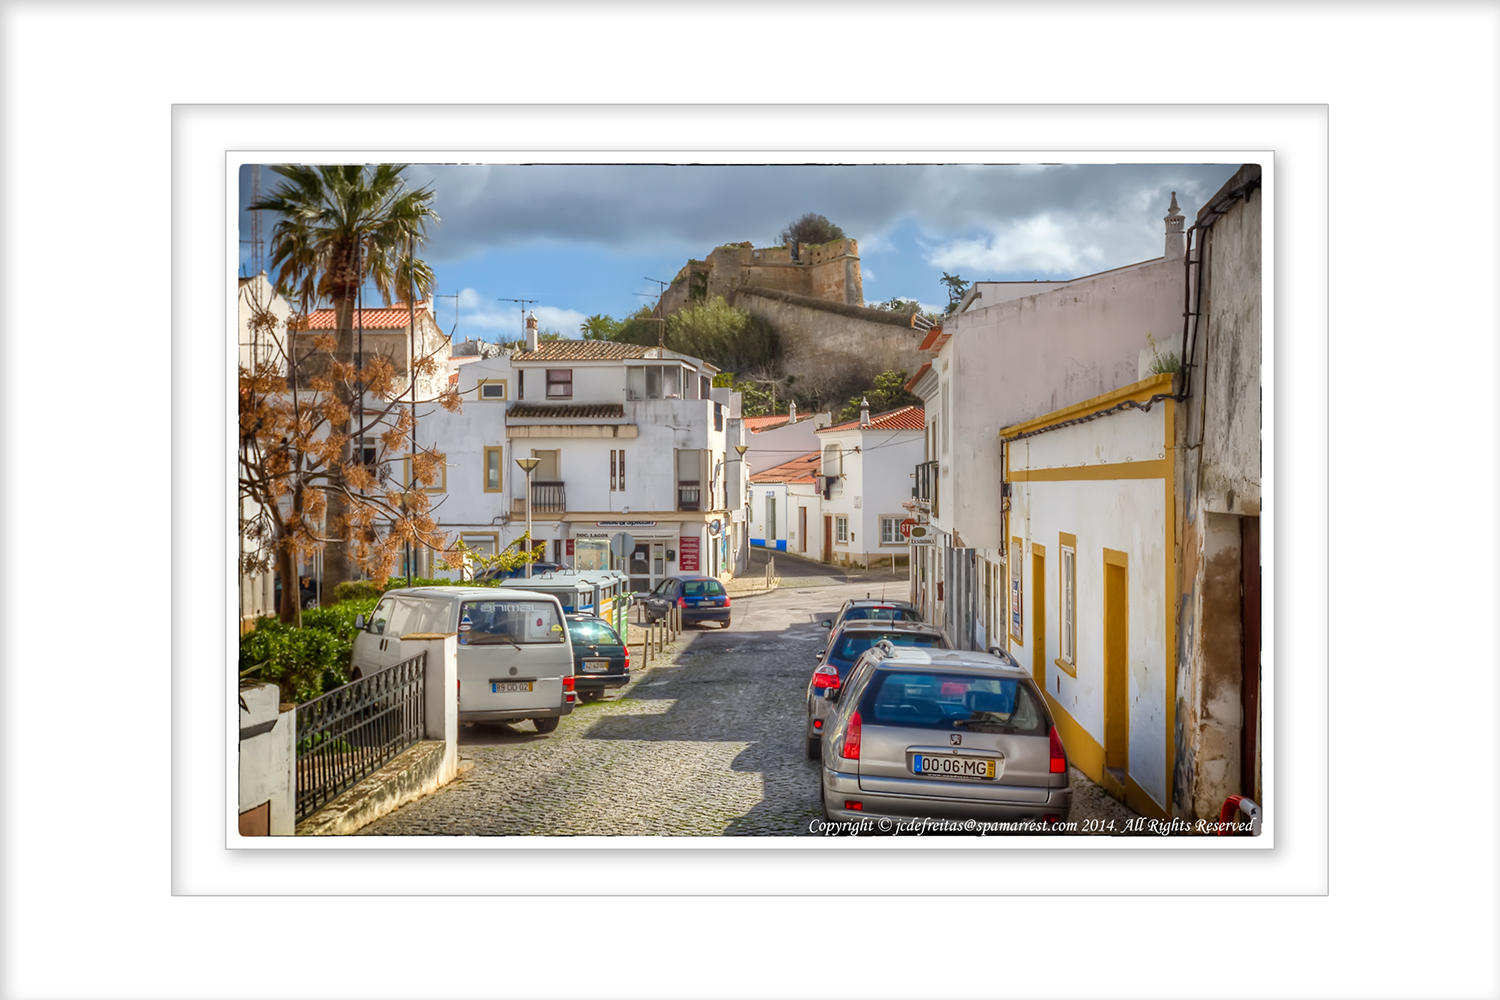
{"x": 347, "y": 734}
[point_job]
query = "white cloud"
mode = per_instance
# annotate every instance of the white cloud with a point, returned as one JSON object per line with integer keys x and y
{"x": 1039, "y": 243}
{"x": 502, "y": 320}
{"x": 866, "y": 275}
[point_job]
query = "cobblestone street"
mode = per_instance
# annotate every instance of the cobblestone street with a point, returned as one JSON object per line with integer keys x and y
{"x": 707, "y": 743}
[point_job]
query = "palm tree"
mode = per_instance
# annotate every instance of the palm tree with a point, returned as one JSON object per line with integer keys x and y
{"x": 339, "y": 227}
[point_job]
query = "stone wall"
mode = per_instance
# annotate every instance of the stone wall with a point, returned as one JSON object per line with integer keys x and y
{"x": 833, "y": 350}
{"x": 827, "y": 271}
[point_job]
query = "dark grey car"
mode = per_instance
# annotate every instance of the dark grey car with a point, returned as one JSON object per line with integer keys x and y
{"x": 942, "y": 734}
{"x": 845, "y": 646}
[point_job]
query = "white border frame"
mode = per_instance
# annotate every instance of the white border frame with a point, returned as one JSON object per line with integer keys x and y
{"x": 764, "y": 865}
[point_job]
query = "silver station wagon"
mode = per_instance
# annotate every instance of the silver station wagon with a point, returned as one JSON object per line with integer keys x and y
{"x": 942, "y": 734}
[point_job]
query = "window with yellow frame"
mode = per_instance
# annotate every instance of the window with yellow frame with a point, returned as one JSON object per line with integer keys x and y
{"x": 494, "y": 469}
{"x": 438, "y": 485}
{"x": 1067, "y": 599}
{"x": 492, "y": 390}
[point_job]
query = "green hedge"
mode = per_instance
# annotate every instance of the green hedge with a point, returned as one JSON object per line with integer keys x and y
{"x": 305, "y": 661}
{"x": 353, "y": 590}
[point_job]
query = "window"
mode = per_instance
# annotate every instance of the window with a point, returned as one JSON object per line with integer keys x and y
{"x": 936, "y": 701}
{"x": 718, "y": 416}
{"x": 703, "y": 386}
{"x": 512, "y": 622}
{"x": 559, "y": 383}
{"x": 841, "y": 529}
{"x": 617, "y": 468}
{"x": 1067, "y": 585}
{"x": 494, "y": 469}
{"x": 521, "y": 384}
{"x": 439, "y": 483}
{"x": 890, "y": 531}
{"x": 492, "y": 390}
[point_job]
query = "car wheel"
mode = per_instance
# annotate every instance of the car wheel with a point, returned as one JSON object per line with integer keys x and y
{"x": 545, "y": 725}
{"x": 814, "y": 748}
{"x": 726, "y": 623}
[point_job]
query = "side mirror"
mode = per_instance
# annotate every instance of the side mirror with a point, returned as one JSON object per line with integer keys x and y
{"x": 828, "y": 623}
{"x": 359, "y": 622}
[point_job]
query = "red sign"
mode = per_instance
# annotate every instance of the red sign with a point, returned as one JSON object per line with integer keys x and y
{"x": 570, "y": 546}
{"x": 906, "y": 527}
{"x": 687, "y": 555}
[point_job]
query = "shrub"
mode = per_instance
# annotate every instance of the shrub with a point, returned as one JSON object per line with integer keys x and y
{"x": 353, "y": 590}
{"x": 306, "y": 661}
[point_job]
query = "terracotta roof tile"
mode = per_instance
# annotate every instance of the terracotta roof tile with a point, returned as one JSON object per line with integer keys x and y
{"x": 774, "y": 420}
{"x": 908, "y": 418}
{"x": 566, "y": 411}
{"x": 582, "y": 350}
{"x": 392, "y": 317}
{"x": 803, "y": 469}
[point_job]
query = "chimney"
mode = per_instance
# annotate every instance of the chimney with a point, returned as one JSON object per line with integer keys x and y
{"x": 864, "y": 412}
{"x": 791, "y": 413}
{"x": 531, "y": 332}
{"x": 1174, "y": 220}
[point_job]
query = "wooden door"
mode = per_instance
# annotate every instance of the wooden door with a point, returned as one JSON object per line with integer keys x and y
{"x": 1116, "y": 661}
{"x": 802, "y": 527}
{"x": 828, "y": 538}
{"x": 1038, "y": 639}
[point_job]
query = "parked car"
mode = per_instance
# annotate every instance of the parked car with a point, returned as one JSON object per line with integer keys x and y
{"x": 496, "y": 573}
{"x": 947, "y": 734}
{"x": 871, "y": 609}
{"x": 701, "y": 598}
{"x": 845, "y": 646}
{"x": 601, "y": 660}
{"x": 515, "y": 660}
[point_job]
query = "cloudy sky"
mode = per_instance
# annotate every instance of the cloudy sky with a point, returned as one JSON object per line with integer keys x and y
{"x": 585, "y": 238}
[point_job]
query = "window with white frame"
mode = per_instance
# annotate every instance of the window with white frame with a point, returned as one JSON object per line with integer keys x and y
{"x": 890, "y": 531}
{"x": 841, "y": 529}
{"x": 1068, "y": 601}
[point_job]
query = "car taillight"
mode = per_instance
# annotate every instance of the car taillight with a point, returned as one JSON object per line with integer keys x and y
{"x": 850, "y": 750}
{"x": 854, "y": 805}
{"x": 1059, "y": 762}
{"x": 568, "y": 683}
{"x": 681, "y": 603}
{"x": 826, "y": 676}
{"x": 726, "y": 600}
{"x": 627, "y": 659}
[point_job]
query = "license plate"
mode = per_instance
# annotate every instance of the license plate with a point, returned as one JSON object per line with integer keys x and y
{"x": 702, "y": 603}
{"x": 950, "y": 766}
{"x": 509, "y": 687}
{"x": 595, "y": 666}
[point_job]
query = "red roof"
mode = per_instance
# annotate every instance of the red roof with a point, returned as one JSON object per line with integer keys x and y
{"x": 803, "y": 469}
{"x": 754, "y": 424}
{"x": 396, "y": 316}
{"x": 908, "y": 418}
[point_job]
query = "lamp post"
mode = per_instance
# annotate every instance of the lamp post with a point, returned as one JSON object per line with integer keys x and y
{"x": 528, "y": 464}
{"x": 740, "y": 450}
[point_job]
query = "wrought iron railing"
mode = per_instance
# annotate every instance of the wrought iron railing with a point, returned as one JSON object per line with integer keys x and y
{"x": 689, "y": 496}
{"x": 347, "y": 734}
{"x": 547, "y": 498}
{"x": 925, "y": 491}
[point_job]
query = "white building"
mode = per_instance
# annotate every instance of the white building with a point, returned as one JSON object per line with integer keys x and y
{"x": 786, "y": 507}
{"x": 627, "y": 439}
{"x": 1012, "y": 351}
{"x": 867, "y": 471}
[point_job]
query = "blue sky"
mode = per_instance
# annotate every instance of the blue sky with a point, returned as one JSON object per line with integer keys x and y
{"x": 584, "y": 238}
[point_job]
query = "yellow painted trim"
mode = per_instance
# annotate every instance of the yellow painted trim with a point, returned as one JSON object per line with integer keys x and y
{"x": 1018, "y": 550}
{"x": 1156, "y": 468}
{"x": 1066, "y": 667}
{"x": 479, "y": 395}
{"x": 1141, "y": 801}
{"x": 1137, "y": 391}
{"x": 485, "y": 471}
{"x": 1084, "y": 752}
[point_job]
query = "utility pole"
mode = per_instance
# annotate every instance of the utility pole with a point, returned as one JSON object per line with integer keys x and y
{"x": 524, "y": 303}
{"x": 661, "y": 321}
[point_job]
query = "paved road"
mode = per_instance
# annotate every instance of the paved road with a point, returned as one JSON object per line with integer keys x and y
{"x": 708, "y": 745}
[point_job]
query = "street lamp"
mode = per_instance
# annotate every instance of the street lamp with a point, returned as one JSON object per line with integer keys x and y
{"x": 528, "y": 464}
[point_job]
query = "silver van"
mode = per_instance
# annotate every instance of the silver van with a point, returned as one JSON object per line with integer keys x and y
{"x": 515, "y": 660}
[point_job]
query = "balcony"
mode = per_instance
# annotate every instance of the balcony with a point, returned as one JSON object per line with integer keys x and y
{"x": 925, "y": 492}
{"x": 689, "y": 496}
{"x": 546, "y": 498}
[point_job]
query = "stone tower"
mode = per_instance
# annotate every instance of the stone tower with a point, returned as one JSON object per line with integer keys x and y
{"x": 1174, "y": 219}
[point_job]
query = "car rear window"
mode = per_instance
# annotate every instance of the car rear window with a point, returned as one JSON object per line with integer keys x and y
{"x": 521, "y": 622}
{"x": 850, "y": 645}
{"x": 593, "y": 634}
{"x": 882, "y": 614}
{"x": 945, "y": 701}
{"x": 702, "y": 588}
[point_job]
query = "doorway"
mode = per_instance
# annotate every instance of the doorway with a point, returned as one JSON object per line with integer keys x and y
{"x": 802, "y": 527}
{"x": 647, "y": 566}
{"x": 1039, "y": 615}
{"x": 1116, "y": 661}
{"x": 828, "y": 538}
